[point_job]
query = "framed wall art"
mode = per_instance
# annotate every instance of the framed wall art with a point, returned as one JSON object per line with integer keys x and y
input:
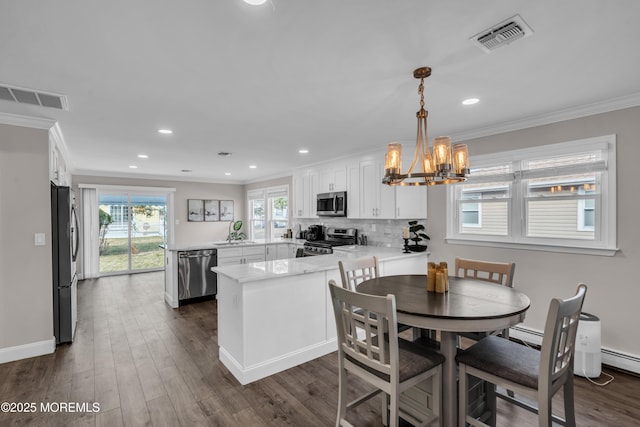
{"x": 226, "y": 210}
{"x": 212, "y": 210}
{"x": 195, "y": 210}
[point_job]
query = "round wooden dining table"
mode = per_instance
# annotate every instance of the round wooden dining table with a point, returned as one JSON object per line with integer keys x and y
{"x": 469, "y": 306}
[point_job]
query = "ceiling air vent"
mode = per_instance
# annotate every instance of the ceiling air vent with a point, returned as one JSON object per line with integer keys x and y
{"x": 502, "y": 34}
{"x": 33, "y": 97}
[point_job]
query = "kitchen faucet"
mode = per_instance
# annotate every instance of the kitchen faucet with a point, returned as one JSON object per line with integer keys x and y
{"x": 229, "y": 235}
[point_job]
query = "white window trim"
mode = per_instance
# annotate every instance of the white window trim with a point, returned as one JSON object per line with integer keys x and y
{"x": 255, "y": 194}
{"x": 580, "y": 213}
{"x": 265, "y": 194}
{"x": 605, "y": 243}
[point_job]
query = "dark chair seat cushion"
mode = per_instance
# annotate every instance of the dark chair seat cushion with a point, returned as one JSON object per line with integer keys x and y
{"x": 415, "y": 357}
{"x": 504, "y": 358}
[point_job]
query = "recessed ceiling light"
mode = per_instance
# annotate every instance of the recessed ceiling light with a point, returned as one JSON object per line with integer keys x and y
{"x": 143, "y": 156}
{"x": 303, "y": 151}
{"x": 165, "y": 131}
{"x": 133, "y": 167}
{"x": 470, "y": 101}
{"x": 252, "y": 166}
{"x": 255, "y": 2}
{"x": 227, "y": 173}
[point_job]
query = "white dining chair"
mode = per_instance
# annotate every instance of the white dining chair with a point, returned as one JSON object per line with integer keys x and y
{"x": 500, "y": 273}
{"x": 355, "y": 271}
{"x": 369, "y": 348}
{"x": 535, "y": 374}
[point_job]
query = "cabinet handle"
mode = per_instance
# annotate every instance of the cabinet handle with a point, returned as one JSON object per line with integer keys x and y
{"x": 398, "y": 211}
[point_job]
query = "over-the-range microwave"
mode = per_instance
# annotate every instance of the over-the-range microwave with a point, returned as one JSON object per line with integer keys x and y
{"x": 332, "y": 204}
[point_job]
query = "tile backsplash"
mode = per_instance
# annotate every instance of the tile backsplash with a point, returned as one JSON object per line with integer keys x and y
{"x": 379, "y": 232}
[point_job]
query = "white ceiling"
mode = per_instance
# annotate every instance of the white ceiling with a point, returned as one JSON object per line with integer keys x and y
{"x": 333, "y": 76}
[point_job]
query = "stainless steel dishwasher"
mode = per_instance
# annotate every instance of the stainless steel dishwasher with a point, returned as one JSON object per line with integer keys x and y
{"x": 195, "y": 278}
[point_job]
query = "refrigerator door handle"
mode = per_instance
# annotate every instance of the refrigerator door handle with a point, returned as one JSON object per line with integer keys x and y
{"x": 76, "y": 233}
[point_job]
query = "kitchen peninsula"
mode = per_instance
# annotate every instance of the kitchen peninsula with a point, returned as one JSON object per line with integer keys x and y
{"x": 277, "y": 314}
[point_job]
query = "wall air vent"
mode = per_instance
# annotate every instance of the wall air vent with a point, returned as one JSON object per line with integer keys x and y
{"x": 502, "y": 34}
{"x": 33, "y": 97}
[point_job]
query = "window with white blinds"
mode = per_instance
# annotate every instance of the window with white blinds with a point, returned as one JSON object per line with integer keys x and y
{"x": 558, "y": 197}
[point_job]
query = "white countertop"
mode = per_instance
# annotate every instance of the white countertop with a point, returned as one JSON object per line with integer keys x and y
{"x": 293, "y": 266}
{"x": 219, "y": 244}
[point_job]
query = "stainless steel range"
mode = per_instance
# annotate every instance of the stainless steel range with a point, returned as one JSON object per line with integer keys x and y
{"x": 333, "y": 237}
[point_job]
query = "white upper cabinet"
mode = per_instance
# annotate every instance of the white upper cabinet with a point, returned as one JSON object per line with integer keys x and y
{"x": 305, "y": 188}
{"x": 411, "y": 202}
{"x": 58, "y": 172}
{"x": 298, "y": 196}
{"x": 376, "y": 200}
{"x": 332, "y": 178}
{"x": 353, "y": 191}
{"x": 367, "y": 197}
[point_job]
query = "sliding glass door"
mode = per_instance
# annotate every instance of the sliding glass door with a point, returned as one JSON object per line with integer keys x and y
{"x": 132, "y": 230}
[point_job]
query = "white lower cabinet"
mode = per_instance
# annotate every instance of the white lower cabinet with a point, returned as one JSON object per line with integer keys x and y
{"x": 271, "y": 252}
{"x": 283, "y": 251}
{"x": 241, "y": 255}
{"x": 280, "y": 251}
{"x": 293, "y": 250}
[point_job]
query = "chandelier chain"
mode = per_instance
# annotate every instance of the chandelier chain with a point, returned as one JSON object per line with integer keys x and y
{"x": 421, "y": 93}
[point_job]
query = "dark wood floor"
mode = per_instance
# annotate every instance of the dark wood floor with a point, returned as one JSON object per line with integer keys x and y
{"x": 147, "y": 364}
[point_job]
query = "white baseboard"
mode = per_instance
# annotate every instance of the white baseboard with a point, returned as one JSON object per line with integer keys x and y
{"x": 246, "y": 375}
{"x": 173, "y": 303}
{"x": 614, "y": 358}
{"x": 25, "y": 351}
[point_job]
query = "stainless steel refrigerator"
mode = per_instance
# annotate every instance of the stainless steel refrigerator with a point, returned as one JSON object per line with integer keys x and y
{"x": 64, "y": 248}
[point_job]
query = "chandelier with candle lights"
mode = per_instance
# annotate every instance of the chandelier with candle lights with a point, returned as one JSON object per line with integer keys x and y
{"x": 445, "y": 164}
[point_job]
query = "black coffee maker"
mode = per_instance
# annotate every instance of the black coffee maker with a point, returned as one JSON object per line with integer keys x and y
{"x": 315, "y": 232}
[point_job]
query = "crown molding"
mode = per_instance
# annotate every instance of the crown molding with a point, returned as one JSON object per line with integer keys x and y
{"x": 613, "y": 104}
{"x": 55, "y": 133}
{"x": 26, "y": 121}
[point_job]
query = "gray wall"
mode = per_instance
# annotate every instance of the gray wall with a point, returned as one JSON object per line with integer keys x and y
{"x": 614, "y": 291}
{"x": 26, "y": 301}
{"x": 185, "y": 231}
{"x": 286, "y": 180}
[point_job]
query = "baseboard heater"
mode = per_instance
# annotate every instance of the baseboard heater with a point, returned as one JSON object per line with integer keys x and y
{"x": 616, "y": 359}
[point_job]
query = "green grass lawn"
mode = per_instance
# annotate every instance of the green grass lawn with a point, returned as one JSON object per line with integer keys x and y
{"x": 145, "y": 254}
